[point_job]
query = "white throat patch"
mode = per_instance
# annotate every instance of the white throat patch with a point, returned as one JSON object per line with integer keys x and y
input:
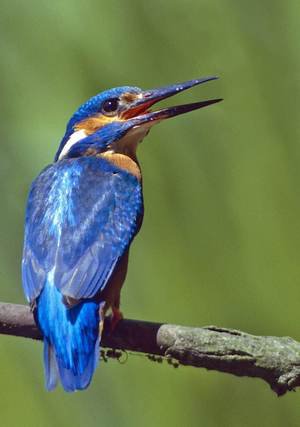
{"x": 75, "y": 137}
{"x": 128, "y": 144}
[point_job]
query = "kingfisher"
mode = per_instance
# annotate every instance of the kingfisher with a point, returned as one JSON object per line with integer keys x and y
{"x": 83, "y": 212}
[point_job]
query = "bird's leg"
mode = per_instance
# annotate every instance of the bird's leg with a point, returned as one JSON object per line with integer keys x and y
{"x": 115, "y": 318}
{"x": 116, "y": 314}
{"x": 111, "y": 294}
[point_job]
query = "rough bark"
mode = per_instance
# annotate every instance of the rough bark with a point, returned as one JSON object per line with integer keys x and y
{"x": 273, "y": 359}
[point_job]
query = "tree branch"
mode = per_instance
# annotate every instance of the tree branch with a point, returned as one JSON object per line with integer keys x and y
{"x": 273, "y": 359}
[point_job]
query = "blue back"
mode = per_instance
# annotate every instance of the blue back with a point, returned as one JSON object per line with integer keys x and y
{"x": 81, "y": 216}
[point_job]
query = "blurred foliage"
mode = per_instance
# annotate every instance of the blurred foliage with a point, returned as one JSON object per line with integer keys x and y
{"x": 220, "y": 242}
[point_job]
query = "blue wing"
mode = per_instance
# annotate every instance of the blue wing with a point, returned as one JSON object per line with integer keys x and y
{"x": 81, "y": 217}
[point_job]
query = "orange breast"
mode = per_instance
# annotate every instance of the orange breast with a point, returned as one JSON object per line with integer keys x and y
{"x": 124, "y": 162}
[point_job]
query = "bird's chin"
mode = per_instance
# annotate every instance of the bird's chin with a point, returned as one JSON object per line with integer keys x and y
{"x": 139, "y": 132}
{"x": 131, "y": 140}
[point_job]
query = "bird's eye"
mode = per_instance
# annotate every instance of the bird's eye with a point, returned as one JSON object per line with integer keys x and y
{"x": 110, "y": 106}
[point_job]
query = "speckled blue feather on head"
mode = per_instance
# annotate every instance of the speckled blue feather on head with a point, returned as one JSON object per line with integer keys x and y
{"x": 90, "y": 107}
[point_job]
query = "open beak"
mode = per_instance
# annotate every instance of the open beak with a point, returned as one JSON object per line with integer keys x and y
{"x": 140, "y": 113}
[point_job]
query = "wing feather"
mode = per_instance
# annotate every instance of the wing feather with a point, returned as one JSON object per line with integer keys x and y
{"x": 81, "y": 216}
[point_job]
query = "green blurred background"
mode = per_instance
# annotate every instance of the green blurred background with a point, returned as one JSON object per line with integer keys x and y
{"x": 220, "y": 242}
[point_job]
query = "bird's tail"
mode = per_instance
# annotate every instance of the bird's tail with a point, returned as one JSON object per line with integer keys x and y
{"x": 71, "y": 339}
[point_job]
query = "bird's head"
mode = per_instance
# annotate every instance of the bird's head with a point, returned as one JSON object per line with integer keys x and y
{"x": 118, "y": 119}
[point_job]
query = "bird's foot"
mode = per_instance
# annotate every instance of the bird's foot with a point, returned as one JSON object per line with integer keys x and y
{"x": 115, "y": 318}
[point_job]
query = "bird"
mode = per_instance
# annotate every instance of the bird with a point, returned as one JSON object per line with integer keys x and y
{"x": 83, "y": 212}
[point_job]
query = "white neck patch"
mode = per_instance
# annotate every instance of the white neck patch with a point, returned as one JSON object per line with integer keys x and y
{"x": 75, "y": 137}
{"x": 128, "y": 144}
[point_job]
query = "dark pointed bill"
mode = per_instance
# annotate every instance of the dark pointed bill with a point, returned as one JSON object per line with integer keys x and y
{"x": 176, "y": 110}
{"x": 140, "y": 113}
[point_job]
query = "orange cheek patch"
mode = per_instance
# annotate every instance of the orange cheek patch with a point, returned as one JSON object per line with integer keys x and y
{"x": 92, "y": 124}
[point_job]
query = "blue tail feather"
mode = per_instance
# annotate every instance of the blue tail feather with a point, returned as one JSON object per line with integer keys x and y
{"x": 51, "y": 370}
{"x": 71, "y": 339}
